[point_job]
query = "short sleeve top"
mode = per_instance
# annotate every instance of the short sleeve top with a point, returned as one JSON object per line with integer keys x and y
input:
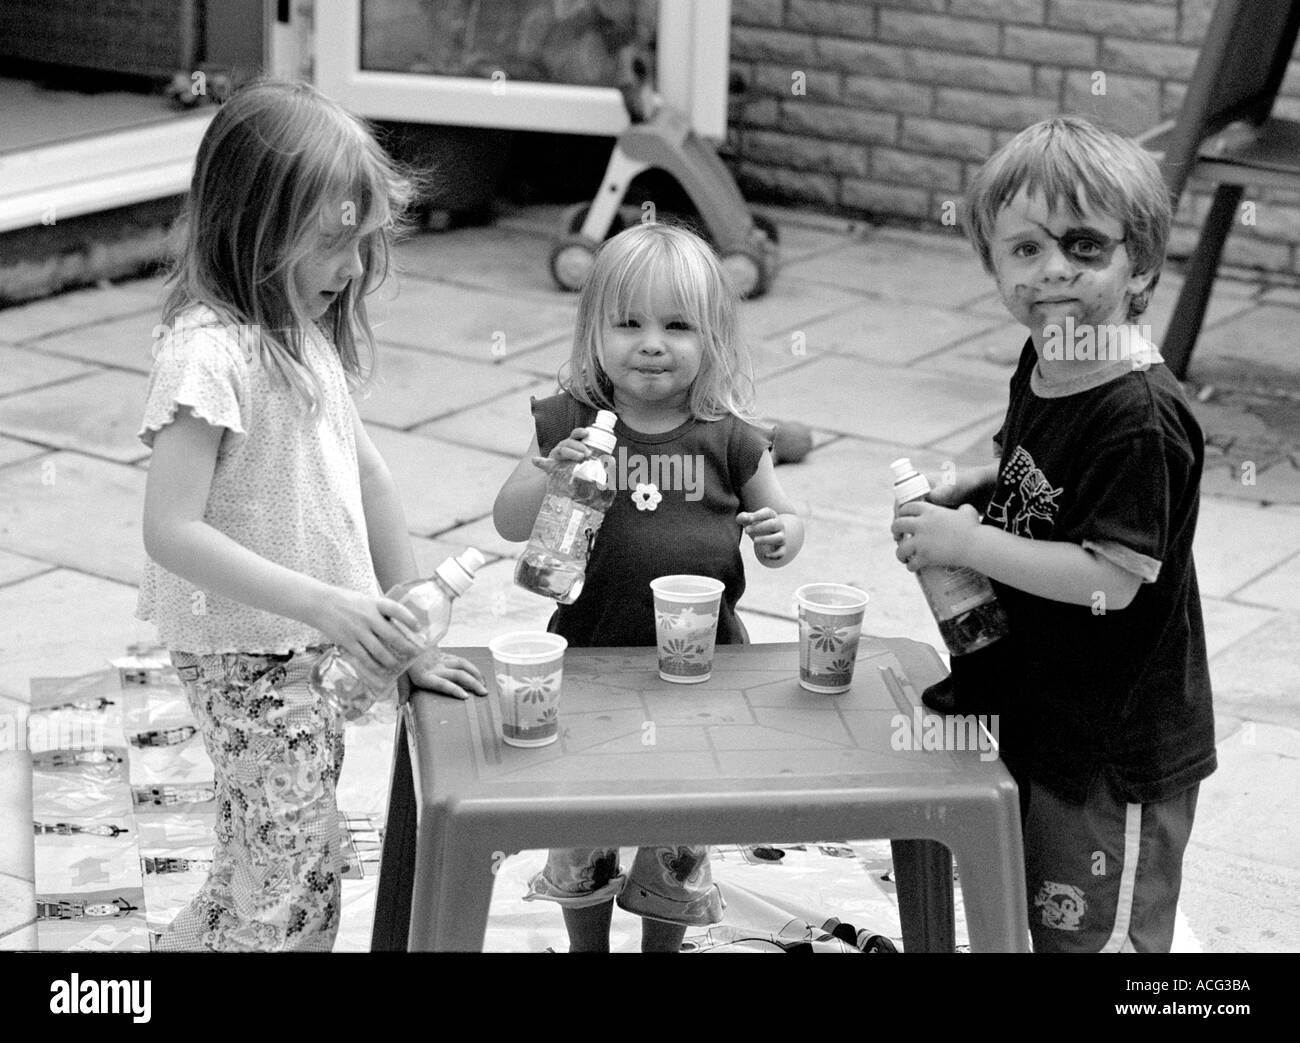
{"x": 1112, "y": 464}
{"x": 687, "y": 524}
{"x": 286, "y": 484}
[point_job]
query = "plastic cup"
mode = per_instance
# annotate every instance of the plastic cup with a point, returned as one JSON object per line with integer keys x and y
{"x": 529, "y": 669}
{"x": 686, "y": 625}
{"x": 830, "y": 623}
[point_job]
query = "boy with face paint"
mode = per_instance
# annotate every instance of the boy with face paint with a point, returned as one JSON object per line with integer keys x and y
{"x": 1102, "y": 686}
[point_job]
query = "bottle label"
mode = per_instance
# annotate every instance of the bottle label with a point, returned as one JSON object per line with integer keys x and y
{"x": 566, "y": 528}
{"x": 954, "y": 591}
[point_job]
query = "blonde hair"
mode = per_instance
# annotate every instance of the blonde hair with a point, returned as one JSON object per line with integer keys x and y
{"x": 627, "y": 263}
{"x": 1069, "y": 160}
{"x": 274, "y": 157}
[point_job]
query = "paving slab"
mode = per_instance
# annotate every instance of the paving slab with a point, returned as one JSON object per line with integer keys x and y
{"x": 483, "y": 325}
{"x": 764, "y": 629}
{"x": 1233, "y": 903}
{"x": 1255, "y": 481}
{"x": 496, "y": 606}
{"x": 1258, "y": 340}
{"x": 79, "y": 308}
{"x": 1279, "y": 588}
{"x": 989, "y": 353}
{"x": 441, "y": 485}
{"x": 495, "y": 257}
{"x": 17, "y": 903}
{"x": 871, "y": 400}
{"x": 1236, "y": 543}
{"x": 12, "y": 451}
{"x": 63, "y": 624}
{"x": 124, "y": 343}
{"x": 21, "y": 369}
{"x": 1240, "y": 870}
{"x": 483, "y": 535}
{"x": 503, "y": 424}
{"x": 849, "y": 480}
{"x": 895, "y": 265}
{"x": 75, "y": 511}
{"x": 16, "y": 809}
{"x": 412, "y": 387}
{"x": 1228, "y": 299}
{"x": 1228, "y": 622}
{"x": 546, "y": 361}
{"x": 15, "y": 567}
{"x": 862, "y": 556}
{"x": 972, "y": 445}
{"x": 21, "y": 939}
{"x": 792, "y": 303}
{"x": 97, "y": 414}
{"x": 1258, "y": 679}
{"x": 890, "y": 332}
{"x": 799, "y": 239}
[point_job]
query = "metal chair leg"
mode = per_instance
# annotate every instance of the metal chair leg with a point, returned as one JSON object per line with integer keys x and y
{"x": 1185, "y": 325}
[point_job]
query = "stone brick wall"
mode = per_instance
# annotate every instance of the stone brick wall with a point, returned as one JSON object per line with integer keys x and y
{"x": 884, "y": 108}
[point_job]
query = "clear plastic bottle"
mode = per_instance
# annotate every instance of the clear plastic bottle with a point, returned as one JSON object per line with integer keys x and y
{"x": 969, "y": 615}
{"x": 577, "y": 496}
{"x": 336, "y": 678}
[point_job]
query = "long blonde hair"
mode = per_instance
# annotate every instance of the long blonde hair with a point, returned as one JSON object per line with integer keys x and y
{"x": 275, "y": 156}
{"x": 623, "y": 266}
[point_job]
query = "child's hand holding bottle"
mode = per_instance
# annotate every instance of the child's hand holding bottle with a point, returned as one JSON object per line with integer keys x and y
{"x": 573, "y": 449}
{"x": 377, "y": 632}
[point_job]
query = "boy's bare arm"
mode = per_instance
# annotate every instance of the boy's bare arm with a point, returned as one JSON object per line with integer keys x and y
{"x": 1045, "y": 568}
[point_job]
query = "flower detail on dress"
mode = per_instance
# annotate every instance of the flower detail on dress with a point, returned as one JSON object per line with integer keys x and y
{"x": 646, "y": 497}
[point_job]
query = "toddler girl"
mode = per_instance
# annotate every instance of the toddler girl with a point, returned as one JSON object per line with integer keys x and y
{"x": 271, "y": 523}
{"x": 657, "y": 343}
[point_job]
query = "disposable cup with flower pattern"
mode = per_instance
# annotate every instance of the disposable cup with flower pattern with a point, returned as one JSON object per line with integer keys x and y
{"x": 830, "y": 624}
{"x": 686, "y": 625}
{"x": 529, "y": 669}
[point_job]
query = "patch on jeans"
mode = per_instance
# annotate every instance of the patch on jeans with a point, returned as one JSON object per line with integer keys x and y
{"x": 1063, "y": 905}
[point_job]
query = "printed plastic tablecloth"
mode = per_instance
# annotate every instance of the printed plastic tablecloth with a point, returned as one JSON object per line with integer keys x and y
{"x": 123, "y": 803}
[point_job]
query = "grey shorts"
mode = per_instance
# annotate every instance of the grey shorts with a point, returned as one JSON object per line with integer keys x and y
{"x": 1104, "y": 876}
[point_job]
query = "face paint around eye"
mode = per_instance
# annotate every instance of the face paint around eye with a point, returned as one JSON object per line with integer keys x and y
{"x": 1087, "y": 247}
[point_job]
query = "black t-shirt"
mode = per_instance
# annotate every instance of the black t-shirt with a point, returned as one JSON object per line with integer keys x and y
{"x": 697, "y": 470}
{"x": 1092, "y": 689}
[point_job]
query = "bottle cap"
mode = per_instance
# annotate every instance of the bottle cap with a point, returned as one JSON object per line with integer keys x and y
{"x": 458, "y": 572}
{"x": 600, "y": 435}
{"x": 908, "y": 484}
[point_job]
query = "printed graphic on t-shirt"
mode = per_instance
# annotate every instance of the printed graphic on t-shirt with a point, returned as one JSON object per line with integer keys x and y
{"x": 1024, "y": 502}
{"x": 1063, "y": 905}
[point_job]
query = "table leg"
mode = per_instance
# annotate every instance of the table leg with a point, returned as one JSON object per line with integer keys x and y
{"x": 923, "y": 876}
{"x": 392, "y": 924}
{"x": 990, "y": 855}
{"x": 460, "y": 921}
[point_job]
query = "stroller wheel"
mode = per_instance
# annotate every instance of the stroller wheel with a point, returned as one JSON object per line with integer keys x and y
{"x": 571, "y": 261}
{"x": 748, "y": 273}
{"x": 575, "y": 217}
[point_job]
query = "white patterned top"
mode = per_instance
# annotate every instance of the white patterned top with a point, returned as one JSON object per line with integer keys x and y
{"x": 286, "y": 487}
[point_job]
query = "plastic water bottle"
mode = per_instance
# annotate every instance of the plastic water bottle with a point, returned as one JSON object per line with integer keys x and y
{"x": 578, "y": 493}
{"x": 969, "y": 615}
{"x": 336, "y": 678}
